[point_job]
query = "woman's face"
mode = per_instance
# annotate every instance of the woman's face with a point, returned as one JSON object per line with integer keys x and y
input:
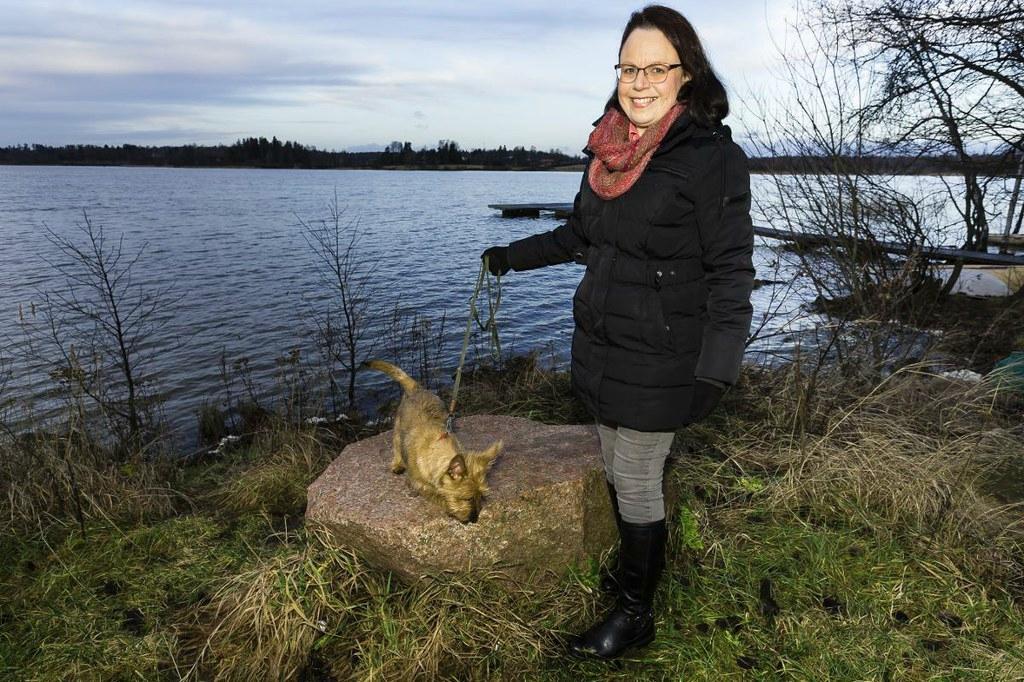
{"x": 644, "y": 102}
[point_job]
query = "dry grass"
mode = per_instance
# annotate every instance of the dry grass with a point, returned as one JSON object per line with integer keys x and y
{"x": 262, "y": 622}
{"x": 322, "y": 608}
{"x": 522, "y": 389}
{"x": 913, "y": 455}
{"x": 863, "y": 505}
{"x": 47, "y": 480}
{"x": 277, "y": 482}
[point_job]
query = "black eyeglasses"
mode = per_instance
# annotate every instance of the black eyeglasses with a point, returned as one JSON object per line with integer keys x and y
{"x": 655, "y": 73}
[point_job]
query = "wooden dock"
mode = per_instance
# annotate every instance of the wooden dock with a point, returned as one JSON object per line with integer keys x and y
{"x": 1013, "y": 242}
{"x": 532, "y": 210}
{"x": 946, "y": 253}
{"x": 939, "y": 253}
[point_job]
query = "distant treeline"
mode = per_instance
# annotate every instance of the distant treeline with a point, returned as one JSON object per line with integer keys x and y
{"x": 259, "y": 152}
{"x": 253, "y": 152}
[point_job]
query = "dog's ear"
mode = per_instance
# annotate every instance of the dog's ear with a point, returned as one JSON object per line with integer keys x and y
{"x": 457, "y": 468}
{"x": 487, "y": 457}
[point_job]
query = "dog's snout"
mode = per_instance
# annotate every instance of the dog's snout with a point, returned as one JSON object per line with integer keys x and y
{"x": 474, "y": 515}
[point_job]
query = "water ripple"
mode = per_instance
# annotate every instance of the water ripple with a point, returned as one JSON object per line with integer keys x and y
{"x": 230, "y": 245}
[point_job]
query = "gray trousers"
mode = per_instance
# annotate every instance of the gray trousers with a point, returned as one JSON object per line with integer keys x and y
{"x": 634, "y": 462}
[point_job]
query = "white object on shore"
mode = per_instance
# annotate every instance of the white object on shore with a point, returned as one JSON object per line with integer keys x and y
{"x": 984, "y": 281}
{"x": 962, "y": 375}
{"x": 316, "y": 421}
{"x": 223, "y": 444}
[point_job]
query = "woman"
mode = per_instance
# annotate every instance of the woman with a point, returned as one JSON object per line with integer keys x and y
{"x": 662, "y": 222}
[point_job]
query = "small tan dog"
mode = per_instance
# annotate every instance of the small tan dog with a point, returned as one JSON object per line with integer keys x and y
{"x": 438, "y": 467}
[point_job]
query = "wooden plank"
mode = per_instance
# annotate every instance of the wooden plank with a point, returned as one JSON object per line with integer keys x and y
{"x": 543, "y": 207}
{"x": 811, "y": 240}
{"x": 929, "y": 252}
{"x": 532, "y": 210}
{"x": 527, "y": 212}
{"x": 1012, "y": 241}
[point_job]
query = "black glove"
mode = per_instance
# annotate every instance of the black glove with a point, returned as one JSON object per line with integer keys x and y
{"x": 497, "y": 260}
{"x": 705, "y": 396}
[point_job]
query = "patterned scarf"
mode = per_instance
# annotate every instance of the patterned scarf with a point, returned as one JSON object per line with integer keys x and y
{"x": 619, "y": 161}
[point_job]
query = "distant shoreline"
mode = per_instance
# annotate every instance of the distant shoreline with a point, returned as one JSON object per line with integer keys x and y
{"x": 253, "y": 152}
{"x": 757, "y": 167}
{"x": 574, "y": 168}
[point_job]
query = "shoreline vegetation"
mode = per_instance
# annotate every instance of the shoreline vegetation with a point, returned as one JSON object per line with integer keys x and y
{"x": 852, "y": 513}
{"x": 448, "y": 156}
{"x": 828, "y": 526}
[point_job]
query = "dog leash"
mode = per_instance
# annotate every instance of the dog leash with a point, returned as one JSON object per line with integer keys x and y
{"x": 491, "y": 326}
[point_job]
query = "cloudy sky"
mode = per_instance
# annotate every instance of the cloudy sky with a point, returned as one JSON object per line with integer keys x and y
{"x": 340, "y": 73}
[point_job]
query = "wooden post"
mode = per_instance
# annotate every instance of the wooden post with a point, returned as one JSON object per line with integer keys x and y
{"x": 1011, "y": 209}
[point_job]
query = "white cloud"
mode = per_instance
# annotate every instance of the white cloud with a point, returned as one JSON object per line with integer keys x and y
{"x": 530, "y": 72}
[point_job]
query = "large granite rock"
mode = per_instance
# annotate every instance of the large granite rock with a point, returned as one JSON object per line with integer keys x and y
{"x": 548, "y": 507}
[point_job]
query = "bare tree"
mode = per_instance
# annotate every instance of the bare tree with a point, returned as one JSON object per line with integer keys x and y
{"x": 981, "y": 37}
{"x": 95, "y": 327}
{"x": 953, "y": 86}
{"x": 344, "y": 332}
{"x": 839, "y": 208}
{"x": 819, "y": 126}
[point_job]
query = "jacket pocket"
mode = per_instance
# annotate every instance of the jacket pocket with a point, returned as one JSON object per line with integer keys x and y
{"x": 582, "y": 310}
{"x": 671, "y": 231}
{"x": 657, "y": 332}
{"x": 680, "y": 309}
{"x": 671, "y": 204}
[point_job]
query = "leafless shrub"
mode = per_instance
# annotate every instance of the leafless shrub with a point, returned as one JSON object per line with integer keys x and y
{"x": 95, "y": 334}
{"x": 951, "y": 85}
{"x": 344, "y": 331}
{"x": 840, "y": 212}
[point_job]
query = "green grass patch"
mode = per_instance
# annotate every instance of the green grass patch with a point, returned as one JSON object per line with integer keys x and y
{"x": 787, "y": 598}
{"x": 108, "y": 604}
{"x": 765, "y": 598}
{"x": 828, "y": 536}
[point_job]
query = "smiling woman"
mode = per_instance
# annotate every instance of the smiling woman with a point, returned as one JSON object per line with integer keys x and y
{"x": 662, "y": 222}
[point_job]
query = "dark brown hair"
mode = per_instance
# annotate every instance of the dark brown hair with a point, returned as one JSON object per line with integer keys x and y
{"x": 704, "y": 94}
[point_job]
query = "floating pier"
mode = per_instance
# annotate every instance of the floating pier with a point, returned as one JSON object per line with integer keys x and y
{"x": 1013, "y": 242}
{"x": 941, "y": 253}
{"x": 948, "y": 253}
{"x": 532, "y": 210}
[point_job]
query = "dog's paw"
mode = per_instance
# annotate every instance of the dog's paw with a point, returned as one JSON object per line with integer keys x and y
{"x": 398, "y": 469}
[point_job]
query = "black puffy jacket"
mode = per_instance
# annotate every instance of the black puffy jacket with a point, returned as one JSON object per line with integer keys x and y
{"x": 666, "y": 294}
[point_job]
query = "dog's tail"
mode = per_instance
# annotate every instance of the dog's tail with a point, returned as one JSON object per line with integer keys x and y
{"x": 404, "y": 380}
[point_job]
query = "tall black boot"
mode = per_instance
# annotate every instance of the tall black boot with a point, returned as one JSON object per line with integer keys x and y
{"x": 631, "y": 622}
{"x": 610, "y": 576}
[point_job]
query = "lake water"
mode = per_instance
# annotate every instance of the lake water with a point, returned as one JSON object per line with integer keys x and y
{"x": 229, "y": 246}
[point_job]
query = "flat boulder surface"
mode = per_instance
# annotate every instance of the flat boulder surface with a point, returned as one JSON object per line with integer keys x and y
{"x": 547, "y": 509}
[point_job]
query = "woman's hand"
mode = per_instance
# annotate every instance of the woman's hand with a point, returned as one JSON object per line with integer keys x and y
{"x": 497, "y": 260}
{"x": 705, "y": 397}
